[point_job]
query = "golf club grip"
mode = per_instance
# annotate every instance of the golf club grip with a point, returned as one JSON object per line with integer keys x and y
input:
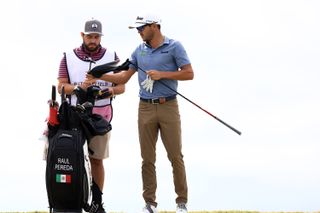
{"x": 227, "y": 125}
{"x": 62, "y": 94}
{"x": 53, "y": 93}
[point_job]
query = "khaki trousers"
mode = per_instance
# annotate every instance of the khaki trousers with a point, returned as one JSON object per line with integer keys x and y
{"x": 163, "y": 118}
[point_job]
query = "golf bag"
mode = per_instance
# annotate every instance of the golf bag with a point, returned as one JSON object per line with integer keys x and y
{"x": 68, "y": 171}
{"x": 68, "y": 175}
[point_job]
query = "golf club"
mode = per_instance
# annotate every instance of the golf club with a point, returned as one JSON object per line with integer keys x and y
{"x": 218, "y": 119}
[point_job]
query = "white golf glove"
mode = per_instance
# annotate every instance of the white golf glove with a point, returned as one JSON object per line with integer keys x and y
{"x": 147, "y": 84}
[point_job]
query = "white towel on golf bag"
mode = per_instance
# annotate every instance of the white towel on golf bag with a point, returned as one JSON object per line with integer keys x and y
{"x": 44, "y": 138}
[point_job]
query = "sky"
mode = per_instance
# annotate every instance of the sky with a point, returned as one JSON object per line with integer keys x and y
{"x": 256, "y": 66}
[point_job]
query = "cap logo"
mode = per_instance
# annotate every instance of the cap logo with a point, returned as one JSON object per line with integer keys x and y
{"x": 94, "y": 26}
{"x": 139, "y": 18}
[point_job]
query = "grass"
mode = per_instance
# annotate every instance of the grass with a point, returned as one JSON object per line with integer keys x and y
{"x": 232, "y": 211}
{"x": 189, "y": 212}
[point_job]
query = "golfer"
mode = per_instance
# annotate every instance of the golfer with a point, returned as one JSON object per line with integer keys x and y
{"x": 159, "y": 58}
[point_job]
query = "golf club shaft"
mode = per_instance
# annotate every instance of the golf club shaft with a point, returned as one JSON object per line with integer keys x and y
{"x": 215, "y": 117}
{"x": 218, "y": 119}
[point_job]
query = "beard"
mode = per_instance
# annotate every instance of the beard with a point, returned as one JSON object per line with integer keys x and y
{"x": 91, "y": 47}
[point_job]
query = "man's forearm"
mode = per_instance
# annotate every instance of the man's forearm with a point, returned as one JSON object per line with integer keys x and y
{"x": 117, "y": 78}
{"x": 68, "y": 88}
{"x": 114, "y": 78}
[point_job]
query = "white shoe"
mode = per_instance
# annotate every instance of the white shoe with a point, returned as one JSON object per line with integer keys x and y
{"x": 149, "y": 209}
{"x": 181, "y": 208}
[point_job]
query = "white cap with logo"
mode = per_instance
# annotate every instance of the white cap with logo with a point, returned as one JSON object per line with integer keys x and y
{"x": 146, "y": 19}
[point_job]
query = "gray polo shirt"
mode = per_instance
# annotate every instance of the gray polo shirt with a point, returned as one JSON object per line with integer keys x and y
{"x": 169, "y": 56}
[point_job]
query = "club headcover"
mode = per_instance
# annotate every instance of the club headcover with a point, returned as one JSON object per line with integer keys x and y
{"x": 104, "y": 94}
{"x": 81, "y": 94}
{"x": 98, "y": 71}
{"x": 92, "y": 93}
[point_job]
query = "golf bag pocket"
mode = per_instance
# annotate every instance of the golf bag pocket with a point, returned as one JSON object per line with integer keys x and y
{"x": 94, "y": 124}
{"x": 68, "y": 175}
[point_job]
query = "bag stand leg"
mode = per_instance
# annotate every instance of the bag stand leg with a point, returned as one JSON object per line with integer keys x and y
{"x": 96, "y": 198}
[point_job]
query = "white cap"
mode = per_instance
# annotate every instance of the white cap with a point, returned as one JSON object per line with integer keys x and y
{"x": 146, "y": 19}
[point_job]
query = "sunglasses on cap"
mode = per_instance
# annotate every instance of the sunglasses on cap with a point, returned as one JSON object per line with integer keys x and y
{"x": 141, "y": 28}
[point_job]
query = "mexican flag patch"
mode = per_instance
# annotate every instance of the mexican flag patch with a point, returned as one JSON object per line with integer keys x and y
{"x": 62, "y": 178}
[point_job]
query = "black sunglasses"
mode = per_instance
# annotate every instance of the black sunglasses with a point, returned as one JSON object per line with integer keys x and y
{"x": 141, "y": 28}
